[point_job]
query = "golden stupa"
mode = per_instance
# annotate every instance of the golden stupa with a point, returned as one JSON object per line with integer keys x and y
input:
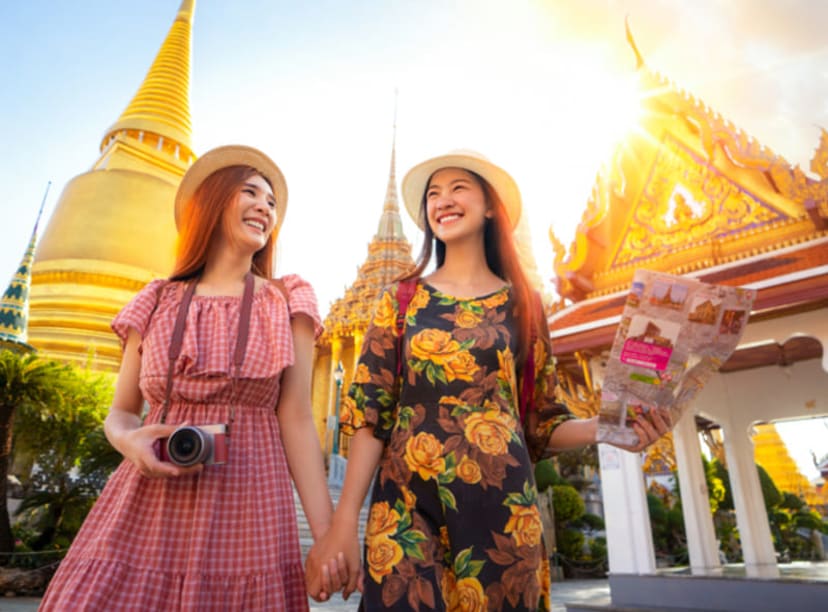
{"x": 112, "y": 229}
{"x": 772, "y": 454}
{"x": 389, "y": 255}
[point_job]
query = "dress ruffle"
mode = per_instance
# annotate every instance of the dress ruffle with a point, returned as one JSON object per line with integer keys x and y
{"x": 214, "y": 317}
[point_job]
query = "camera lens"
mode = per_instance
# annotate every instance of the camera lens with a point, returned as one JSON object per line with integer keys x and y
{"x": 187, "y": 446}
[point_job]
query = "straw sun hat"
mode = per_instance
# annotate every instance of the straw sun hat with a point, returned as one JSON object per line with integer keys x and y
{"x": 232, "y": 155}
{"x": 416, "y": 180}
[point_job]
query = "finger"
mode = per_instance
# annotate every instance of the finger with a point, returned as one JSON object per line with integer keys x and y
{"x": 353, "y": 576}
{"x": 342, "y": 566}
{"x": 361, "y": 580}
{"x": 647, "y": 428}
{"x": 327, "y": 586}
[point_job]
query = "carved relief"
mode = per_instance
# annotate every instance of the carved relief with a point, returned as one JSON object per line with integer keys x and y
{"x": 686, "y": 201}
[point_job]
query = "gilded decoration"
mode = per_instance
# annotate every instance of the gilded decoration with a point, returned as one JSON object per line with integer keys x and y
{"x": 686, "y": 201}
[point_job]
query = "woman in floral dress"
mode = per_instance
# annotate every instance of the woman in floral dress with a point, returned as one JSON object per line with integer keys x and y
{"x": 215, "y": 536}
{"x": 454, "y": 522}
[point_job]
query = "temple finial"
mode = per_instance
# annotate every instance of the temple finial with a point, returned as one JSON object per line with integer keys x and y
{"x": 390, "y": 225}
{"x": 14, "y": 305}
{"x": 161, "y": 105}
{"x": 639, "y": 61}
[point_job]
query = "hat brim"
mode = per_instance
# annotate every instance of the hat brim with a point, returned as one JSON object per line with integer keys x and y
{"x": 224, "y": 157}
{"x": 416, "y": 180}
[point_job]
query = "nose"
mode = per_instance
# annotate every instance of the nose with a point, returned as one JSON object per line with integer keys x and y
{"x": 263, "y": 206}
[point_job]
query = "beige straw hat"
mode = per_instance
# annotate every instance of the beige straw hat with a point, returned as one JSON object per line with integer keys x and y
{"x": 232, "y": 155}
{"x": 416, "y": 180}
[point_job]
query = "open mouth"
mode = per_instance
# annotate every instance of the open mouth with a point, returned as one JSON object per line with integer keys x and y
{"x": 259, "y": 225}
{"x": 449, "y": 218}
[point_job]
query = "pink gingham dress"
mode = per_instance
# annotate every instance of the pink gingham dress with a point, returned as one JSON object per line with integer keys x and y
{"x": 225, "y": 539}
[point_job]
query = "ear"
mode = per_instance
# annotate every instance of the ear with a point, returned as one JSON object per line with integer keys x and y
{"x": 489, "y": 213}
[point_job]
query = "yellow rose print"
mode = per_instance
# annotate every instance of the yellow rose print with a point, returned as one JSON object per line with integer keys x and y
{"x": 461, "y": 367}
{"x": 525, "y": 525}
{"x": 424, "y": 455}
{"x": 490, "y": 431}
{"x": 468, "y": 471}
{"x": 409, "y": 499}
{"x": 362, "y": 374}
{"x": 469, "y": 596}
{"x": 382, "y": 554}
{"x": 467, "y": 319}
{"x": 434, "y": 345}
{"x": 349, "y": 415}
{"x": 495, "y": 300}
{"x": 385, "y": 315}
{"x": 420, "y": 300}
{"x": 447, "y": 584}
{"x": 382, "y": 520}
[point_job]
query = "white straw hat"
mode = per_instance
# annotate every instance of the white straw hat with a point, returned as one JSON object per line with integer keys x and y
{"x": 416, "y": 180}
{"x": 232, "y": 155}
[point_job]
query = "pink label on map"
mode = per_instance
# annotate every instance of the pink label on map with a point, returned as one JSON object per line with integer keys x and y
{"x": 646, "y": 354}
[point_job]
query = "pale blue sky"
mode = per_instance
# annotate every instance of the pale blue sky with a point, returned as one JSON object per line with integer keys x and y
{"x": 527, "y": 82}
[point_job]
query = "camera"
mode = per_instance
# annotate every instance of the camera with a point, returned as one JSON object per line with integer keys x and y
{"x": 190, "y": 445}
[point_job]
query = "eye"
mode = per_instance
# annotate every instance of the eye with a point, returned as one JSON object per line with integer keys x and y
{"x": 271, "y": 203}
{"x": 249, "y": 191}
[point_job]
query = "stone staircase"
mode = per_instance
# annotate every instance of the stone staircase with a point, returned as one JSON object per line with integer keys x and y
{"x": 305, "y": 537}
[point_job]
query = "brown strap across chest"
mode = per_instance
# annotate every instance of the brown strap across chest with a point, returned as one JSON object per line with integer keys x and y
{"x": 177, "y": 339}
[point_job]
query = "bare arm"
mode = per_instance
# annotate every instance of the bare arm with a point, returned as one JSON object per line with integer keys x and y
{"x": 363, "y": 457}
{"x": 583, "y": 432}
{"x": 299, "y": 435}
{"x": 123, "y": 426}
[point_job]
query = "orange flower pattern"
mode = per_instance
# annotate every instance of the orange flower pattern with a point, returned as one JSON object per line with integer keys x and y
{"x": 454, "y": 522}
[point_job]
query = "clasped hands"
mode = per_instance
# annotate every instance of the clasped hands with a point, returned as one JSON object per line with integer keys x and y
{"x": 333, "y": 563}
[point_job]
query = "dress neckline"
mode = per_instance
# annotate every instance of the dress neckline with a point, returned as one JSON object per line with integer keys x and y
{"x": 431, "y": 288}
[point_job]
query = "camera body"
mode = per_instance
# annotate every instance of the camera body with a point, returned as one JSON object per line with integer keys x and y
{"x": 190, "y": 445}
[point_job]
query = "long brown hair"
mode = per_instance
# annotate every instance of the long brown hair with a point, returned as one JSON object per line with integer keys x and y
{"x": 201, "y": 222}
{"x": 502, "y": 259}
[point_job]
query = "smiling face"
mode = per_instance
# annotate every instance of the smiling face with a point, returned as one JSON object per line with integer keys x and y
{"x": 456, "y": 205}
{"x": 249, "y": 219}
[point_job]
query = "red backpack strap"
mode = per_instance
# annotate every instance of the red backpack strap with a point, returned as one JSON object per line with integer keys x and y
{"x": 405, "y": 292}
{"x": 526, "y": 403}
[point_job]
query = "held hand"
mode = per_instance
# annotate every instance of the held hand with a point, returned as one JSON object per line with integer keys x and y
{"x": 140, "y": 446}
{"x": 649, "y": 427}
{"x": 334, "y": 563}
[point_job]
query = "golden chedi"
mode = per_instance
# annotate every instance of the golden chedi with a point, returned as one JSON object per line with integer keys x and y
{"x": 112, "y": 229}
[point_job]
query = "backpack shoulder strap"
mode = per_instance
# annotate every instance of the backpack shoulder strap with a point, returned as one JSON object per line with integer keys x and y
{"x": 405, "y": 292}
{"x": 526, "y": 403}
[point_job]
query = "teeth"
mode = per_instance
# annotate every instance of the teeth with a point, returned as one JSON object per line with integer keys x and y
{"x": 449, "y": 218}
{"x": 258, "y": 225}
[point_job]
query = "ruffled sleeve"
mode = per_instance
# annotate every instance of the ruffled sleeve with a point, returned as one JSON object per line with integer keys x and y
{"x": 372, "y": 397}
{"x": 548, "y": 413}
{"x": 302, "y": 300}
{"x": 138, "y": 312}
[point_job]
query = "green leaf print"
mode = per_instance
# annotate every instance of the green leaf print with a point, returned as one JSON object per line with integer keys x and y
{"x": 434, "y": 373}
{"x": 448, "y": 475}
{"x": 405, "y": 517}
{"x": 404, "y": 417}
{"x": 447, "y": 498}
{"x": 461, "y": 409}
{"x": 465, "y": 567}
{"x": 410, "y": 542}
{"x": 384, "y": 398}
{"x": 473, "y": 307}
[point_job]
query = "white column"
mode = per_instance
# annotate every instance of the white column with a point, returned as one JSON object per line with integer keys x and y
{"x": 626, "y": 517}
{"x": 751, "y": 517}
{"x": 695, "y": 498}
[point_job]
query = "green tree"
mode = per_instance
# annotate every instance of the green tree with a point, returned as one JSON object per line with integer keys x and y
{"x": 26, "y": 381}
{"x": 74, "y": 459}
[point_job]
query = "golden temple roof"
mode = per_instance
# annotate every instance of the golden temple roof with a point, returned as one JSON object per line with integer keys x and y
{"x": 772, "y": 454}
{"x": 389, "y": 255}
{"x": 162, "y": 105}
{"x": 687, "y": 190}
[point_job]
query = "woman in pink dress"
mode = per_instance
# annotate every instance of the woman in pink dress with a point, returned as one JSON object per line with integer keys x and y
{"x": 219, "y": 343}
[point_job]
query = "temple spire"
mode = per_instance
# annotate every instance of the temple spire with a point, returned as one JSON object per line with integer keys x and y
{"x": 14, "y": 305}
{"x": 390, "y": 224}
{"x": 162, "y": 104}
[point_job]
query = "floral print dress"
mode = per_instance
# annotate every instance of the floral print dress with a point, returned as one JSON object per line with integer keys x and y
{"x": 454, "y": 522}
